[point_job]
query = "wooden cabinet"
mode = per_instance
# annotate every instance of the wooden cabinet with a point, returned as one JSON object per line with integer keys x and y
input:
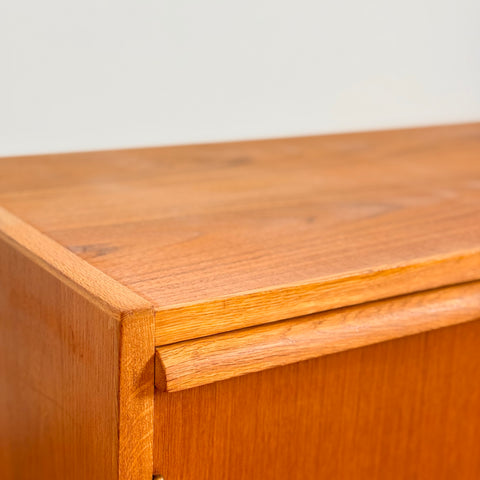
{"x": 305, "y": 308}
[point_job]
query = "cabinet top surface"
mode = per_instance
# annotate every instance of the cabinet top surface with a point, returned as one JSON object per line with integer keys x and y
{"x": 228, "y": 235}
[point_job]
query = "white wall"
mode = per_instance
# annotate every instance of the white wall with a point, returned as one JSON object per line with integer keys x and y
{"x": 96, "y": 74}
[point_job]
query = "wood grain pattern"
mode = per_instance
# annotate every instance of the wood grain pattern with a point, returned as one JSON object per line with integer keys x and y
{"x": 403, "y": 409}
{"x": 226, "y": 236}
{"x": 105, "y": 255}
{"x": 76, "y": 388}
{"x": 197, "y": 362}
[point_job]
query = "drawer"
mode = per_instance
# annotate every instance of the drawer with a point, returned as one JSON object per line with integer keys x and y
{"x": 404, "y": 408}
{"x": 358, "y": 392}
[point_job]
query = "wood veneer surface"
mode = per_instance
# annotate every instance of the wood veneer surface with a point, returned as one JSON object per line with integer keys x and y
{"x": 225, "y": 236}
{"x": 403, "y": 409}
{"x": 76, "y": 366}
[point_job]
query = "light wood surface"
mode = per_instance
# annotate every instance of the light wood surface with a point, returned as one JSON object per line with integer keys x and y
{"x": 404, "y": 409}
{"x": 226, "y": 236}
{"x": 218, "y": 357}
{"x": 76, "y": 363}
{"x": 233, "y": 258}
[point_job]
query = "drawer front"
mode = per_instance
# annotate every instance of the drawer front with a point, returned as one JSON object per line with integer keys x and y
{"x": 406, "y": 408}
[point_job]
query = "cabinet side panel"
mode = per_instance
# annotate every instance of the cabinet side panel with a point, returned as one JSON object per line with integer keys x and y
{"x": 59, "y": 357}
{"x": 406, "y": 408}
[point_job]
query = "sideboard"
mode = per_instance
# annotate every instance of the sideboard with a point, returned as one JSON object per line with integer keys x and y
{"x": 303, "y": 308}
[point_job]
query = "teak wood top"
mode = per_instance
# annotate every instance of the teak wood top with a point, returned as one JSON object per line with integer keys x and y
{"x": 225, "y": 236}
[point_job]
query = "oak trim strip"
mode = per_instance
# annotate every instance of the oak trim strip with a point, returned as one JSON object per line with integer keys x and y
{"x": 197, "y": 362}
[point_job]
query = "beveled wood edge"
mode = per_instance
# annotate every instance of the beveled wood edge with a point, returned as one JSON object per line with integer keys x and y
{"x": 247, "y": 309}
{"x": 108, "y": 294}
{"x": 135, "y": 317}
{"x": 193, "y": 363}
{"x": 187, "y": 322}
